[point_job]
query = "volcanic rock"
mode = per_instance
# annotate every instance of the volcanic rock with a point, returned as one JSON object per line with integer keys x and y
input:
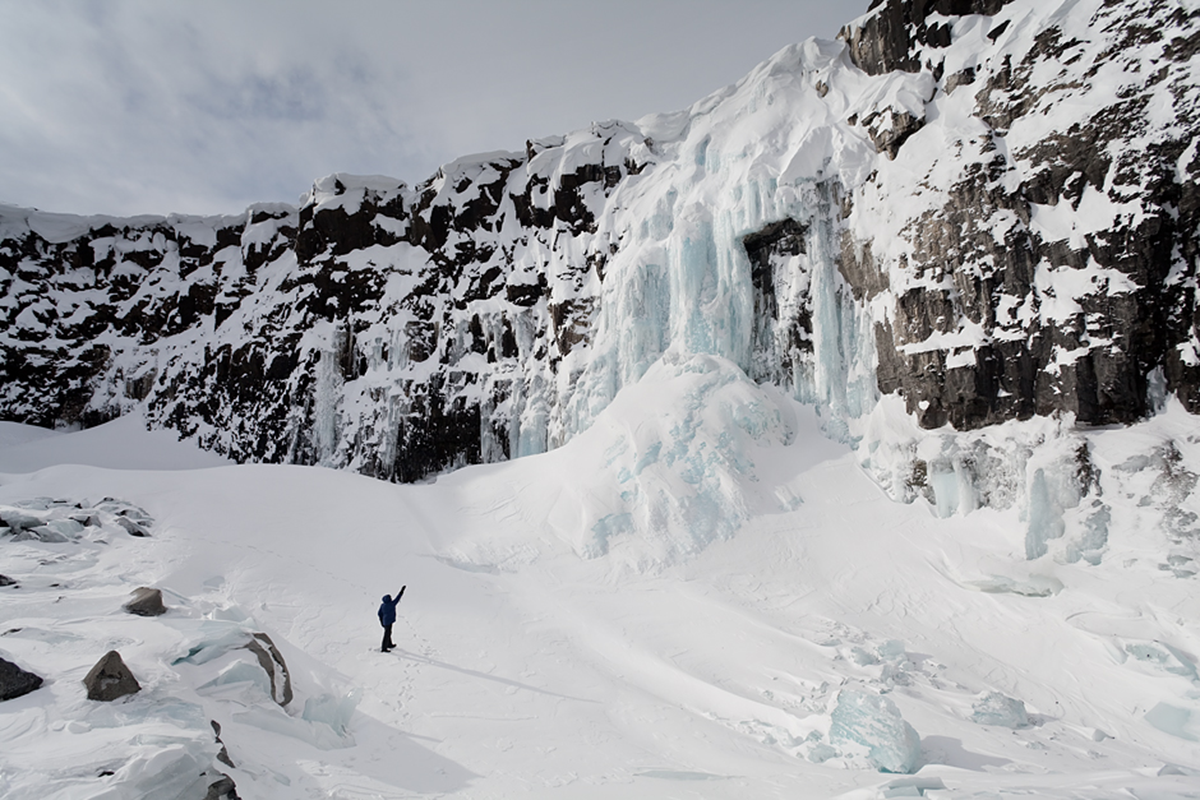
{"x": 15, "y": 681}
{"x": 110, "y": 679}
{"x": 222, "y": 789}
{"x": 146, "y": 602}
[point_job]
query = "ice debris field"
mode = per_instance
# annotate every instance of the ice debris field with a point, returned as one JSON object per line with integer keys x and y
{"x": 786, "y": 630}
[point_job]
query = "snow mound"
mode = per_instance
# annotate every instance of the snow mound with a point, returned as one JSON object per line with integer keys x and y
{"x": 671, "y": 465}
{"x": 123, "y": 443}
{"x": 14, "y": 433}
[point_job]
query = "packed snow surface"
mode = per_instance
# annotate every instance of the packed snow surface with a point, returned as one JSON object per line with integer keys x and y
{"x": 830, "y": 643}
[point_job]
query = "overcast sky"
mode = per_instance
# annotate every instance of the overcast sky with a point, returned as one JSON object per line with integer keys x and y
{"x": 158, "y": 106}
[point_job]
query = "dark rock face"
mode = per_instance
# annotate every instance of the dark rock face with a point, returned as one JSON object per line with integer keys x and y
{"x": 782, "y": 335}
{"x": 110, "y": 679}
{"x": 247, "y": 333}
{"x": 271, "y": 660}
{"x": 1039, "y": 346}
{"x": 15, "y": 682}
{"x": 146, "y": 602}
{"x": 893, "y": 36}
{"x": 223, "y": 755}
{"x": 1001, "y": 266}
{"x": 222, "y": 789}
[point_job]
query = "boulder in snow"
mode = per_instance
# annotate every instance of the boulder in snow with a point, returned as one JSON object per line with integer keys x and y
{"x": 146, "y": 602}
{"x": 272, "y": 662}
{"x": 15, "y": 681}
{"x": 42, "y": 533}
{"x": 110, "y": 679}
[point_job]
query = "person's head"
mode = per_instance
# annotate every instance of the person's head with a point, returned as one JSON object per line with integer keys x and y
{"x": 387, "y": 598}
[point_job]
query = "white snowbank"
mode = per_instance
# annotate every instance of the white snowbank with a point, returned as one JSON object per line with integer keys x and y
{"x": 123, "y": 443}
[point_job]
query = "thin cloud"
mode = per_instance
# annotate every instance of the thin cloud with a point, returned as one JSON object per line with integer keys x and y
{"x": 135, "y": 106}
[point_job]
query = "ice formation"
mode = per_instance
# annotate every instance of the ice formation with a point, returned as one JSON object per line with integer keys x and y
{"x": 872, "y": 724}
{"x": 995, "y": 708}
{"x": 674, "y": 460}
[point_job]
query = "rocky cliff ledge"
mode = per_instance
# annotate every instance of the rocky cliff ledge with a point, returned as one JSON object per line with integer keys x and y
{"x": 987, "y": 208}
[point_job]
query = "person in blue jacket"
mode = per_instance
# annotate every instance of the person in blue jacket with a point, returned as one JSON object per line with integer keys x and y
{"x": 387, "y": 617}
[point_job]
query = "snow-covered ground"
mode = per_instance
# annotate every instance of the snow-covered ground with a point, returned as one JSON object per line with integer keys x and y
{"x": 783, "y": 608}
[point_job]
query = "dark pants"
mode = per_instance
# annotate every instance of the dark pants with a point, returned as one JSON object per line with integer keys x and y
{"x": 388, "y": 644}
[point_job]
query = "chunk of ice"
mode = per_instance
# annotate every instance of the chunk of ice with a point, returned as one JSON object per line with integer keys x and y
{"x": 820, "y": 753}
{"x": 1175, "y": 721}
{"x": 873, "y": 723}
{"x": 994, "y": 708}
{"x": 331, "y": 710}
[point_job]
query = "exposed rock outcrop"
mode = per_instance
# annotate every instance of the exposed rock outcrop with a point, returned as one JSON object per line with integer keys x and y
{"x": 895, "y": 35}
{"x": 15, "y": 682}
{"x": 222, "y": 789}
{"x": 146, "y": 602}
{"x": 271, "y": 660}
{"x": 1052, "y": 273}
{"x": 223, "y": 755}
{"x": 110, "y": 679}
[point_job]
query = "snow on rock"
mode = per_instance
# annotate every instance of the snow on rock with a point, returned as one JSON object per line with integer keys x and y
{"x": 984, "y": 212}
{"x": 174, "y": 673}
{"x": 49, "y": 520}
{"x": 960, "y": 245}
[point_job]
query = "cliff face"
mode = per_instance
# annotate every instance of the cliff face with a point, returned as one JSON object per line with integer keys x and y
{"x": 394, "y": 330}
{"x": 988, "y": 209}
{"x": 1053, "y": 268}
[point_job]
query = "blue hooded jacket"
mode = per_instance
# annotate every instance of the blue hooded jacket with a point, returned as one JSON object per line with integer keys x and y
{"x": 387, "y": 610}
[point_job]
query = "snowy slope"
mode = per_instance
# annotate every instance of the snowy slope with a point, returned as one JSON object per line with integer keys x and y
{"x": 530, "y": 666}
